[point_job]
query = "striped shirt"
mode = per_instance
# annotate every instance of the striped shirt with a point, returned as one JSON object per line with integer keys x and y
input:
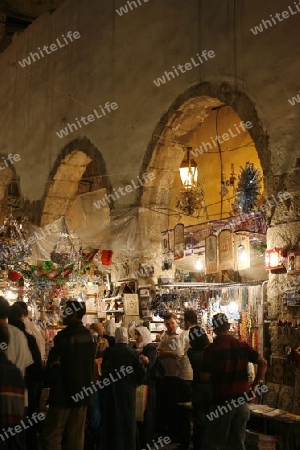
{"x": 12, "y": 389}
{"x": 226, "y": 359}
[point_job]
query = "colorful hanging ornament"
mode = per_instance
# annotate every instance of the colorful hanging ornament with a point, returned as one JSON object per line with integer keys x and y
{"x": 13, "y": 275}
{"x": 106, "y": 257}
{"x": 13, "y": 245}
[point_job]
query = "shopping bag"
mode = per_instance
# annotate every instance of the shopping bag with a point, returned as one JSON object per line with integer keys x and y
{"x": 141, "y": 402}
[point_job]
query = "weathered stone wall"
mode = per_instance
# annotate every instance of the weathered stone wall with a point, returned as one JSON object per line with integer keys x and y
{"x": 117, "y": 58}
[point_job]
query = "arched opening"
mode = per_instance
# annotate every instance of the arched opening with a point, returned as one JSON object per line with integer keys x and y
{"x": 195, "y": 119}
{"x": 80, "y": 168}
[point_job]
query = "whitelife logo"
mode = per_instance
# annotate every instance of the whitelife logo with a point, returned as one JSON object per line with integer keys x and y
{"x": 265, "y": 24}
{"x": 90, "y": 118}
{"x": 162, "y": 441}
{"x": 187, "y": 66}
{"x": 102, "y": 383}
{"x": 292, "y": 101}
{"x": 225, "y": 136}
{"x": 53, "y": 47}
{"x": 11, "y": 158}
{"x": 15, "y": 249}
{"x": 128, "y": 188}
{"x": 237, "y": 402}
{"x": 124, "y": 9}
{"x": 12, "y": 431}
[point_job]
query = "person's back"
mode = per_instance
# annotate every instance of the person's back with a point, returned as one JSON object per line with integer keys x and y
{"x": 225, "y": 364}
{"x": 74, "y": 351}
{"x": 123, "y": 372}
{"x": 18, "y": 351}
{"x": 230, "y": 375}
{"x": 70, "y": 364}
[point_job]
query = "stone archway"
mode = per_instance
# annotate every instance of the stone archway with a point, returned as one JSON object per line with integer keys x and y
{"x": 175, "y": 129}
{"x": 164, "y": 156}
{"x": 190, "y": 102}
{"x": 79, "y": 168}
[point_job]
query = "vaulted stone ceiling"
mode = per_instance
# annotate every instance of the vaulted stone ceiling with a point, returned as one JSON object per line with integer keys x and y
{"x": 16, "y": 15}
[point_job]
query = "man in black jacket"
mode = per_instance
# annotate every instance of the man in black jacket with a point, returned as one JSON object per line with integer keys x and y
{"x": 70, "y": 366}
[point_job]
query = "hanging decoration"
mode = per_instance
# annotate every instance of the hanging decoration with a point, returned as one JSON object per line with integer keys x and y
{"x": 13, "y": 245}
{"x": 64, "y": 252}
{"x": 48, "y": 270}
{"x": 248, "y": 188}
{"x": 106, "y": 257}
{"x": 13, "y": 275}
{"x": 242, "y": 251}
{"x": 211, "y": 254}
{"x": 225, "y": 246}
{"x": 179, "y": 241}
{"x": 191, "y": 197}
{"x": 275, "y": 259}
{"x": 190, "y": 200}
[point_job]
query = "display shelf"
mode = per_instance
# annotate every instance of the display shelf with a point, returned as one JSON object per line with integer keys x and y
{"x": 110, "y": 299}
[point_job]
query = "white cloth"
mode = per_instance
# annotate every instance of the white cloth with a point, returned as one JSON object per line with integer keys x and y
{"x": 169, "y": 342}
{"x": 121, "y": 335}
{"x": 110, "y": 327}
{"x": 36, "y": 332}
{"x": 185, "y": 368}
{"x": 17, "y": 350}
{"x": 146, "y": 336}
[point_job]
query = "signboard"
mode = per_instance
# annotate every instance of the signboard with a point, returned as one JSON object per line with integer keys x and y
{"x": 211, "y": 254}
{"x": 179, "y": 241}
{"x": 225, "y": 245}
{"x": 131, "y": 304}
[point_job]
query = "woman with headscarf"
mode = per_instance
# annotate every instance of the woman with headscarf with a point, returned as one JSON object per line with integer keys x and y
{"x": 122, "y": 366}
{"x": 147, "y": 354}
{"x": 110, "y": 331}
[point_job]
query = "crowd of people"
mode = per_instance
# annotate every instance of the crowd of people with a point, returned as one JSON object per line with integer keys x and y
{"x": 109, "y": 392}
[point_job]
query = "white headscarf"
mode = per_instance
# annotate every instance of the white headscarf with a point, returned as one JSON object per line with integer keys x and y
{"x": 110, "y": 327}
{"x": 121, "y": 335}
{"x": 146, "y": 336}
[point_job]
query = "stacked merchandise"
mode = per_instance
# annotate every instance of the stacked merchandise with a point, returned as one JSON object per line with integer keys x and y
{"x": 258, "y": 441}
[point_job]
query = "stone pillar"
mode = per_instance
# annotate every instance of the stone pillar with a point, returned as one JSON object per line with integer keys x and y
{"x": 283, "y": 231}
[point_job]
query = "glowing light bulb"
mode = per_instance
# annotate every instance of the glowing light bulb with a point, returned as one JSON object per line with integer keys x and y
{"x": 243, "y": 256}
{"x": 199, "y": 265}
{"x": 10, "y": 295}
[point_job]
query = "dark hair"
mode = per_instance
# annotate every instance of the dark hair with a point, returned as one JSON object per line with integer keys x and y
{"x": 4, "y": 335}
{"x": 220, "y": 322}
{"x": 4, "y": 308}
{"x": 169, "y": 316}
{"x": 16, "y": 311}
{"x": 77, "y": 307}
{"x": 198, "y": 338}
{"x": 190, "y": 316}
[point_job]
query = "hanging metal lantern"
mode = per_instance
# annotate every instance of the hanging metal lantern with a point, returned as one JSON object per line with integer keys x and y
{"x": 64, "y": 252}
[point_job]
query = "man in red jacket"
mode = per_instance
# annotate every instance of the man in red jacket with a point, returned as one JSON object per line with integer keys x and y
{"x": 225, "y": 363}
